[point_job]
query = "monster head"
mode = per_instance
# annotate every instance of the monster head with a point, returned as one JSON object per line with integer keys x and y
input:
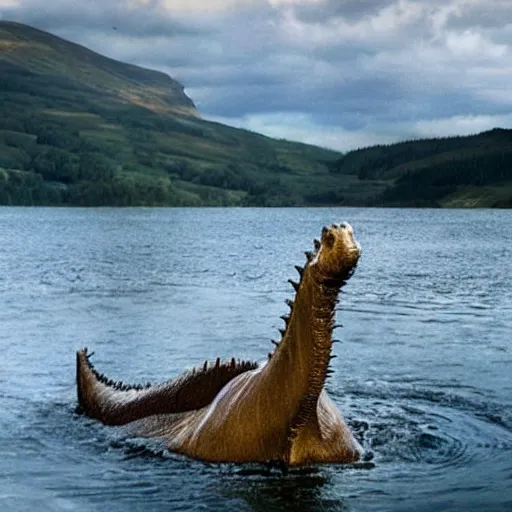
{"x": 337, "y": 253}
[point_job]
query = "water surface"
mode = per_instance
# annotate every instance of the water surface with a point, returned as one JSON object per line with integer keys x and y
{"x": 423, "y": 372}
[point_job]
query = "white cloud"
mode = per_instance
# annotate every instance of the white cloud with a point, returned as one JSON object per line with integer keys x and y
{"x": 300, "y": 127}
{"x": 280, "y": 3}
{"x": 472, "y": 44}
{"x": 203, "y": 5}
{"x": 381, "y": 27}
{"x": 460, "y": 125}
{"x": 8, "y": 3}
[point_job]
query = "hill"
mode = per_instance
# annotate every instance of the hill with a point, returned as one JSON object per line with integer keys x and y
{"x": 452, "y": 172}
{"x": 77, "y": 128}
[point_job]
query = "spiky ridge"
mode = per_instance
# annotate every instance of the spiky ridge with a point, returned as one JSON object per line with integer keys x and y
{"x": 330, "y": 286}
{"x": 118, "y": 385}
{"x": 323, "y": 323}
{"x": 123, "y": 403}
{"x": 234, "y": 366}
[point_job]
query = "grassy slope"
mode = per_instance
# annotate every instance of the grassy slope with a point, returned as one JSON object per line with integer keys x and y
{"x": 100, "y": 78}
{"x": 142, "y": 121}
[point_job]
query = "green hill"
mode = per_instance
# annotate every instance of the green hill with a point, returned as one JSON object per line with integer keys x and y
{"x": 77, "y": 128}
{"x": 472, "y": 171}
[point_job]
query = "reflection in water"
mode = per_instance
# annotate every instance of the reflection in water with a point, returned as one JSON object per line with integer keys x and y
{"x": 300, "y": 490}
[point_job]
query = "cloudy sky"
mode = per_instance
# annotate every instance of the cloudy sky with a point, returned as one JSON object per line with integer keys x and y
{"x": 337, "y": 73}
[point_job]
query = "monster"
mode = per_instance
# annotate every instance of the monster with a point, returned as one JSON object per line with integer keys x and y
{"x": 239, "y": 411}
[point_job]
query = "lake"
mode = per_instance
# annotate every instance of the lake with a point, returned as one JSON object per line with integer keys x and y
{"x": 423, "y": 373}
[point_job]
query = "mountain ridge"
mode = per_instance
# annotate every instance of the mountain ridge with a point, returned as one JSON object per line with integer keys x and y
{"x": 31, "y": 49}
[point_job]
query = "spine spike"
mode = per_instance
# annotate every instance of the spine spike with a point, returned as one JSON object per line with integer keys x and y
{"x": 317, "y": 244}
{"x": 286, "y": 318}
{"x": 217, "y": 363}
{"x": 205, "y": 366}
{"x": 289, "y": 303}
{"x": 294, "y": 284}
{"x": 274, "y": 342}
{"x": 282, "y": 331}
{"x": 300, "y": 270}
{"x": 309, "y": 256}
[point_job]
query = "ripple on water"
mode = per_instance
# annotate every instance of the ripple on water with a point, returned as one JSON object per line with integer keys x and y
{"x": 415, "y": 434}
{"x": 434, "y": 431}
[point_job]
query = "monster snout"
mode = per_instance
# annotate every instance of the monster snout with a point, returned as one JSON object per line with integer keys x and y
{"x": 329, "y": 234}
{"x": 339, "y": 250}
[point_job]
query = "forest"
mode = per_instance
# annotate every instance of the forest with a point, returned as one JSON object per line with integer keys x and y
{"x": 456, "y": 171}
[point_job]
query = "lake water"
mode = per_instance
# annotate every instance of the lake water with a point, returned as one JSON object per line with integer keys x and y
{"x": 423, "y": 374}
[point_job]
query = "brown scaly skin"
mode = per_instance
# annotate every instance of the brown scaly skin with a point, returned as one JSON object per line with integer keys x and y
{"x": 237, "y": 411}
